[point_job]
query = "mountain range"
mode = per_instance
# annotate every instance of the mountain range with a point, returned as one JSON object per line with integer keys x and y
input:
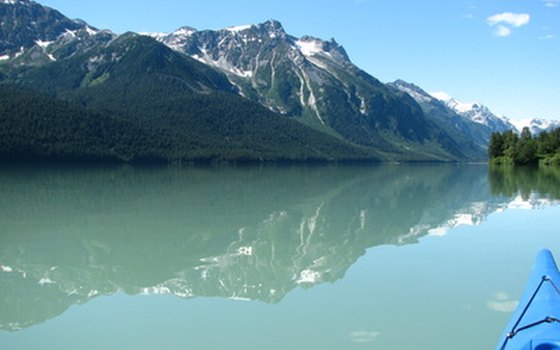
{"x": 241, "y": 93}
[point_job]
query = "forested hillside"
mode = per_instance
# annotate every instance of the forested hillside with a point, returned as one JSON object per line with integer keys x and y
{"x": 39, "y": 127}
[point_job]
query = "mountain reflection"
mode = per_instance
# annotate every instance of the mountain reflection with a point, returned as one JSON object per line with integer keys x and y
{"x": 69, "y": 234}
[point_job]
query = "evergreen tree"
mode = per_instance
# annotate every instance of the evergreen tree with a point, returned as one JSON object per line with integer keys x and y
{"x": 496, "y": 146}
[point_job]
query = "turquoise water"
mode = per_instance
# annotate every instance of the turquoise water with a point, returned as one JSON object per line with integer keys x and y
{"x": 300, "y": 257}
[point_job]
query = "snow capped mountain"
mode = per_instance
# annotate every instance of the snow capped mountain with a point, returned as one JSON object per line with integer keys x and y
{"x": 536, "y": 125}
{"x": 240, "y": 50}
{"x": 306, "y": 77}
{"x": 482, "y": 115}
{"x": 33, "y": 34}
{"x": 475, "y": 112}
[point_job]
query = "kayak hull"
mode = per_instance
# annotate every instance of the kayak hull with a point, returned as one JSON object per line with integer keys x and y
{"x": 535, "y": 324}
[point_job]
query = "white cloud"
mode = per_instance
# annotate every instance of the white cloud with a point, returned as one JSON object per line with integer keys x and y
{"x": 510, "y": 19}
{"x": 502, "y": 31}
{"x": 503, "y": 23}
{"x": 548, "y": 37}
{"x": 551, "y": 3}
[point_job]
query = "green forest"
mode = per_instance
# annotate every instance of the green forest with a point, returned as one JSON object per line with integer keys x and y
{"x": 509, "y": 148}
{"x": 37, "y": 127}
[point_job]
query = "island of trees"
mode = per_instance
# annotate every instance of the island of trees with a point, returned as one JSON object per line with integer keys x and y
{"x": 510, "y": 148}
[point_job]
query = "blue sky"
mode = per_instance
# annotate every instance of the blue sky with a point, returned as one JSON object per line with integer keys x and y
{"x": 502, "y": 53}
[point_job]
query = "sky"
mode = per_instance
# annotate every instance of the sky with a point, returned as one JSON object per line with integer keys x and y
{"x": 504, "y": 54}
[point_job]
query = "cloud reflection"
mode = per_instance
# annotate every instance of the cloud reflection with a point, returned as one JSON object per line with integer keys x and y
{"x": 501, "y": 302}
{"x": 363, "y": 336}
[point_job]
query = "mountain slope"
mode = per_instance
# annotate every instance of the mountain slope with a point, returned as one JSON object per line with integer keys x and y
{"x": 142, "y": 82}
{"x": 315, "y": 80}
{"x": 35, "y": 127}
{"x": 472, "y": 136}
{"x": 120, "y": 68}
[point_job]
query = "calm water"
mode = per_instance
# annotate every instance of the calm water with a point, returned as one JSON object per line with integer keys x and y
{"x": 319, "y": 257}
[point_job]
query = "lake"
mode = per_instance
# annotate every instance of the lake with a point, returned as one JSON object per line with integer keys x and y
{"x": 268, "y": 257}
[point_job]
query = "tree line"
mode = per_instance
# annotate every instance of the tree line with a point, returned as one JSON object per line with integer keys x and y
{"x": 525, "y": 149}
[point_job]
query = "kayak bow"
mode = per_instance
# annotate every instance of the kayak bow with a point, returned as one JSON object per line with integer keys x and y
{"x": 535, "y": 324}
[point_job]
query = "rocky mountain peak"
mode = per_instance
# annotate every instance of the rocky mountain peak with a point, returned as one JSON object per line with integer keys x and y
{"x": 33, "y": 34}
{"x": 272, "y": 26}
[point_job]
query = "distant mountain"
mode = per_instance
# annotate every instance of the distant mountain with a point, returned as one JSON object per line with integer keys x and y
{"x": 536, "y": 125}
{"x": 476, "y": 112}
{"x": 482, "y": 115}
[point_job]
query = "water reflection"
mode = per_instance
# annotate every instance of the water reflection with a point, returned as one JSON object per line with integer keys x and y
{"x": 525, "y": 181}
{"x": 71, "y": 234}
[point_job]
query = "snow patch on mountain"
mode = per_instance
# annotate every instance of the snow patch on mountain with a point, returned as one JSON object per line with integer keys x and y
{"x": 467, "y": 107}
{"x": 310, "y": 47}
{"x": 91, "y": 31}
{"x": 458, "y": 106}
{"x": 413, "y": 91}
{"x": 222, "y": 63}
{"x": 20, "y": 52}
{"x": 185, "y": 31}
{"x": 43, "y": 44}
{"x": 71, "y": 33}
{"x": 440, "y": 95}
{"x": 240, "y": 28}
{"x": 174, "y": 40}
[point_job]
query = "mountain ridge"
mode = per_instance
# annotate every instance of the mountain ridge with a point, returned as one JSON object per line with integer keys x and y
{"x": 307, "y": 80}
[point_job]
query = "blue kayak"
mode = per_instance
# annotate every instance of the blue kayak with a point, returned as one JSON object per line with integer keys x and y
{"x": 535, "y": 324}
